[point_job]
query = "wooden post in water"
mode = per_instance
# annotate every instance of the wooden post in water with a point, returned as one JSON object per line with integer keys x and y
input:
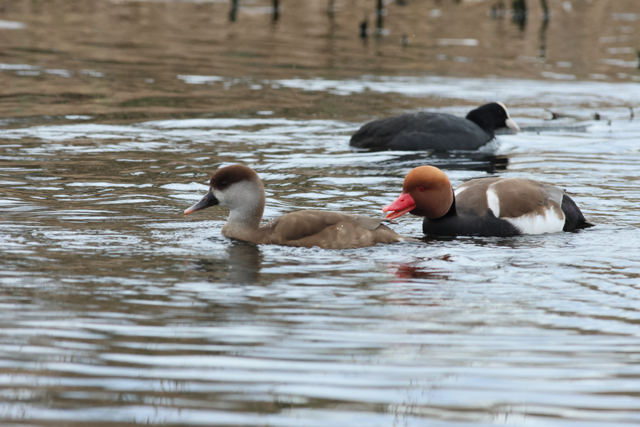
{"x": 543, "y": 28}
{"x": 379, "y": 14}
{"x": 364, "y": 31}
{"x": 545, "y": 10}
{"x": 234, "y": 10}
{"x": 519, "y": 14}
{"x": 276, "y": 9}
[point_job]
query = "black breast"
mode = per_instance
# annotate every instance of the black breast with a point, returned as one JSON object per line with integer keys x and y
{"x": 469, "y": 224}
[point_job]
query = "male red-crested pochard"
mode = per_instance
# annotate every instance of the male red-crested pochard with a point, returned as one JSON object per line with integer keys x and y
{"x": 435, "y": 131}
{"x": 486, "y": 206}
{"x": 239, "y": 188}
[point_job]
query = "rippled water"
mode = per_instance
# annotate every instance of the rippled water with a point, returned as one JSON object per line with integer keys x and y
{"x": 117, "y": 309}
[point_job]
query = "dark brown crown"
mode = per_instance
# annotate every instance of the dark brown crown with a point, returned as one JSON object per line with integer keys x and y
{"x": 229, "y": 175}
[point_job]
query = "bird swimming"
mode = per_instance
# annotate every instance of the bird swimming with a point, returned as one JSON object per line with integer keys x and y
{"x": 434, "y": 131}
{"x": 239, "y": 188}
{"x": 486, "y": 206}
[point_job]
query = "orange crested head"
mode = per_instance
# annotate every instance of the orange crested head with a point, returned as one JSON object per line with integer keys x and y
{"x": 426, "y": 192}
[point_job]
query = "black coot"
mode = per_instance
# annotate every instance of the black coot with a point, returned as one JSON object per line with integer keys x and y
{"x": 434, "y": 131}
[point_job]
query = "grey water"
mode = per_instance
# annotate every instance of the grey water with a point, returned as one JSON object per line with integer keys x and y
{"x": 117, "y": 310}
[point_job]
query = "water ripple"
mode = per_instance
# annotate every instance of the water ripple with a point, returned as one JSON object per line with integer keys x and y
{"x": 117, "y": 309}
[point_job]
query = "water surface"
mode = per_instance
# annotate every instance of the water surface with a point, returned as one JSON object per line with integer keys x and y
{"x": 117, "y": 310}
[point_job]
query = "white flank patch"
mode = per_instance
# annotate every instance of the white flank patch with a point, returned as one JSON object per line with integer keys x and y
{"x": 550, "y": 222}
{"x": 493, "y": 202}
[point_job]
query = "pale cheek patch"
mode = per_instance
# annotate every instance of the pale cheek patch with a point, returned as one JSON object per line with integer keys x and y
{"x": 242, "y": 199}
{"x": 220, "y": 196}
{"x": 546, "y": 221}
{"x": 238, "y": 195}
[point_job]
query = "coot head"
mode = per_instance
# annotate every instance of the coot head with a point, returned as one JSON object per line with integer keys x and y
{"x": 492, "y": 116}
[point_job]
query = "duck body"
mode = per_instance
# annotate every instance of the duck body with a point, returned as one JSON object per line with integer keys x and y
{"x": 501, "y": 207}
{"x": 309, "y": 228}
{"x": 239, "y": 188}
{"x": 434, "y": 131}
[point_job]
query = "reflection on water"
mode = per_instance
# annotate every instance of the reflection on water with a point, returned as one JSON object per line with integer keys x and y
{"x": 118, "y": 310}
{"x": 546, "y": 17}
{"x": 519, "y": 13}
{"x": 241, "y": 265}
{"x": 129, "y": 61}
{"x": 475, "y": 161}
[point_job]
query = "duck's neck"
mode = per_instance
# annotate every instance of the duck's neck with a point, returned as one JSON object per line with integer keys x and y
{"x": 452, "y": 210}
{"x": 245, "y": 217}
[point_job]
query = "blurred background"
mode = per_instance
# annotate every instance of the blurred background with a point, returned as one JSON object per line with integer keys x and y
{"x": 132, "y": 59}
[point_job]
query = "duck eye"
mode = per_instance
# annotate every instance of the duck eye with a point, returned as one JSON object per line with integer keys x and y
{"x": 421, "y": 188}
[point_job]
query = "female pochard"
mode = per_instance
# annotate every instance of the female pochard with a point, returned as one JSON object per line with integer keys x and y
{"x": 239, "y": 188}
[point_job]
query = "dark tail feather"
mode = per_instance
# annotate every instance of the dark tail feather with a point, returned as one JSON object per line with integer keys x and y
{"x": 574, "y": 220}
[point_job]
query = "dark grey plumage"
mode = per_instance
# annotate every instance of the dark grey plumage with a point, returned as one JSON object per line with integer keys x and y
{"x": 434, "y": 131}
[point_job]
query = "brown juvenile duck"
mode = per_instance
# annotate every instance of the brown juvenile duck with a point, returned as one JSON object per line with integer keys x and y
{"x": 485, "y": 207}
{"x": 239, "y": 188}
